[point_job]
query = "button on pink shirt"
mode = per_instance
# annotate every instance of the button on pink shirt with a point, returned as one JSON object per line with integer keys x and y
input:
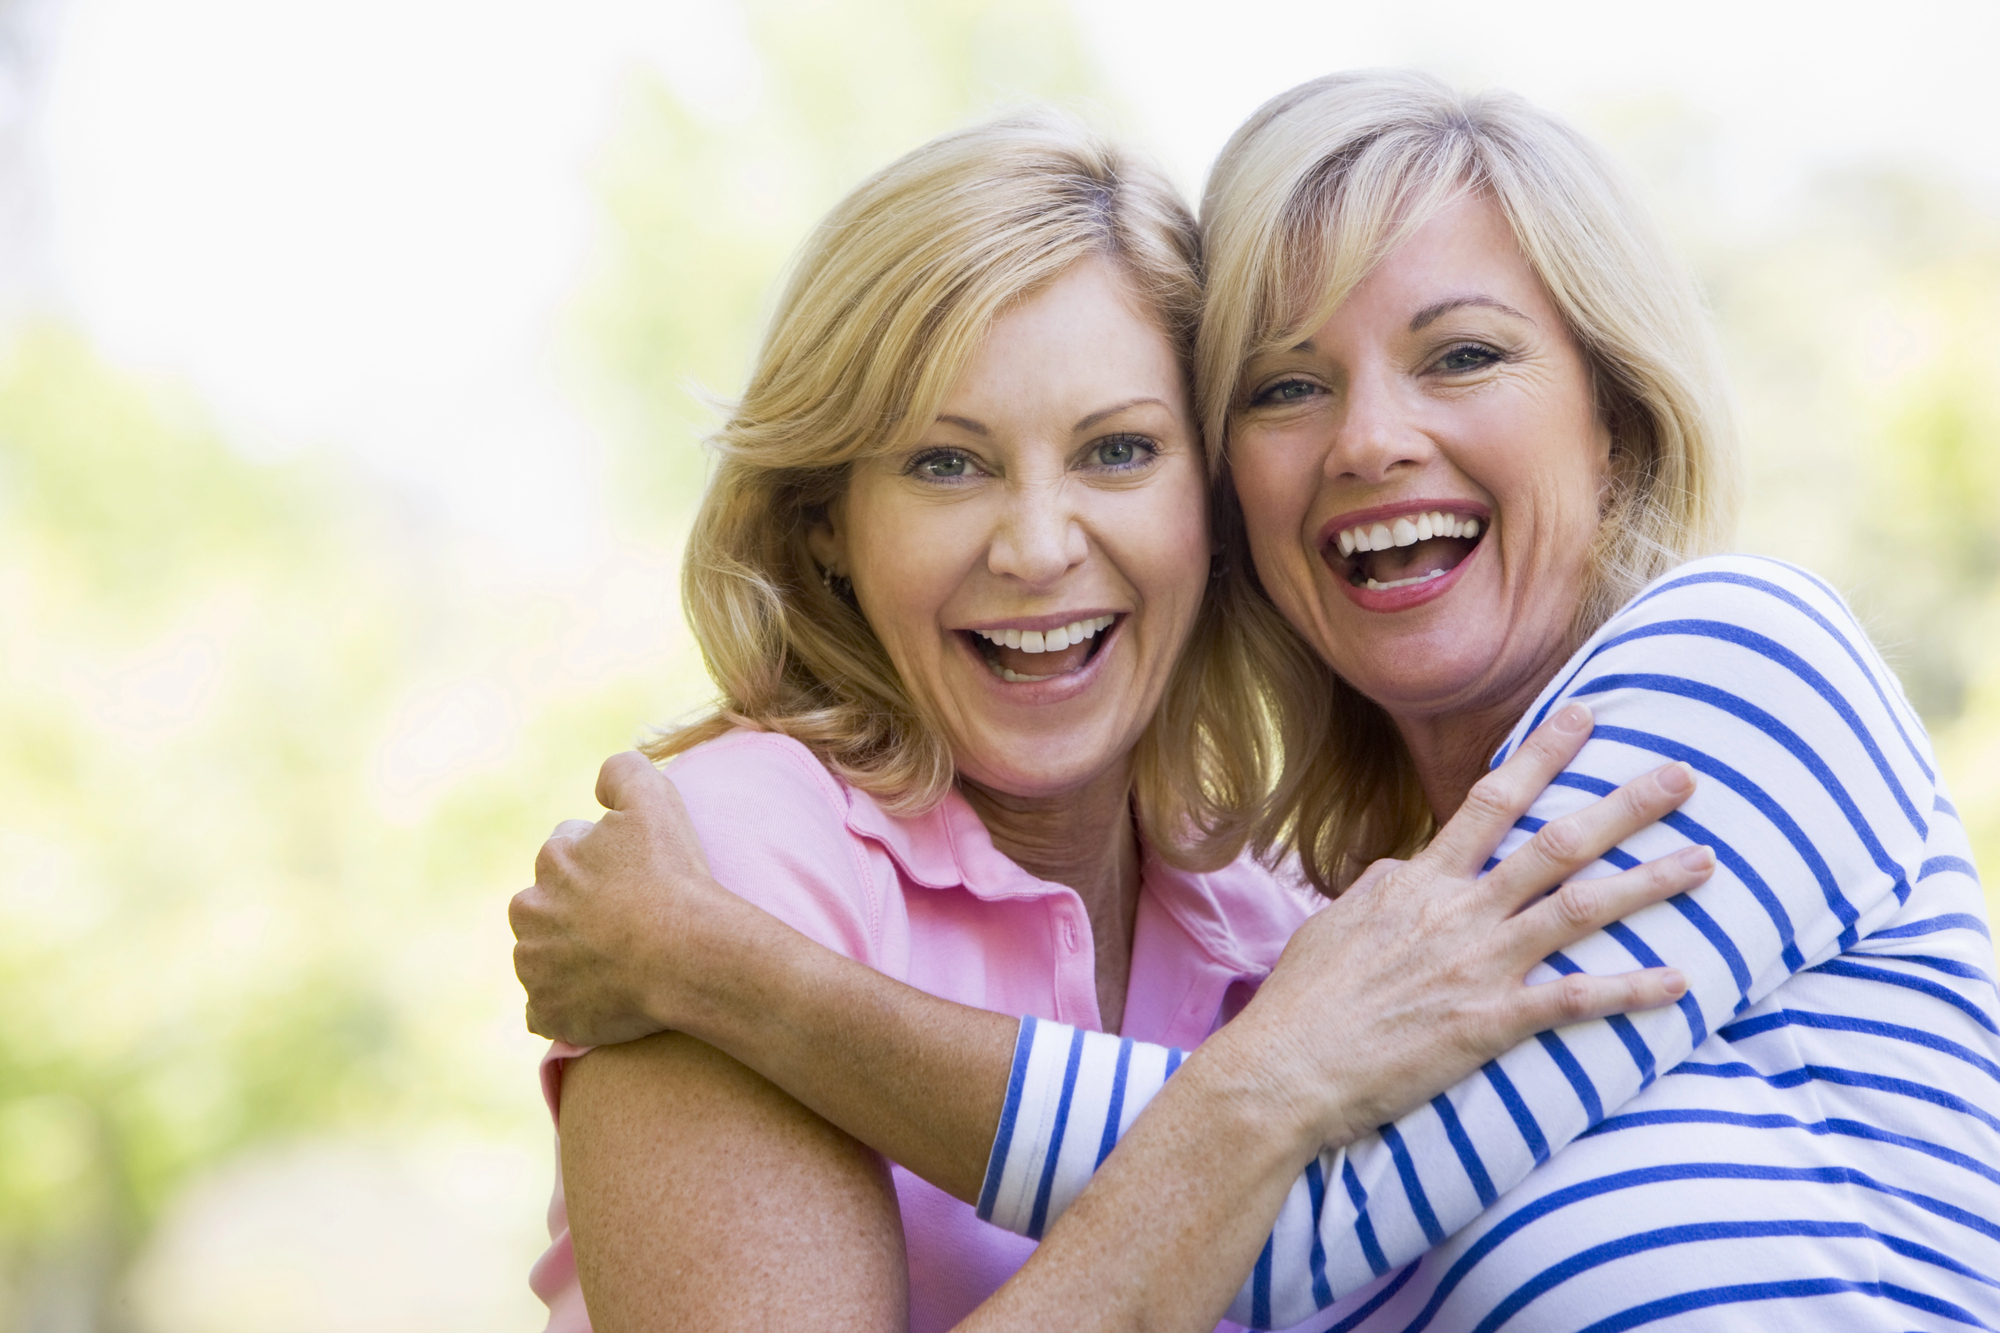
{"x": 930, "y": 901}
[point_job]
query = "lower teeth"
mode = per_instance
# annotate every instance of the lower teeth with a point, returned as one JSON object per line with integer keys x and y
{"x": 1373, "y": 586}
{"x": 1015, "y": 677}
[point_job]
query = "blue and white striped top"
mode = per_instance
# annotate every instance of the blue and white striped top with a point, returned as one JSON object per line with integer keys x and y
{"x": 1810, "y": 1139}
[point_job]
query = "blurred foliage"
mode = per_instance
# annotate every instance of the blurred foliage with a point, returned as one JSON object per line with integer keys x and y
{"x": 1854, "y": 315}
{"x": 275, "y": 744}
{"x": 221, "y": 918}
{"x": 705, "y": 208}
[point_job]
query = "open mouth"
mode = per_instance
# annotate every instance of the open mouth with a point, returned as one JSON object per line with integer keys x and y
{"x": 1405, "y": 551}
{"x": 1025, "y": 656}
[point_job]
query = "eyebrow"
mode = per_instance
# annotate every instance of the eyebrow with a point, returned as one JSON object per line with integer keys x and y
{"x": 1451, "y": 303}
{"x": 978, "y": 428}
{"x": 1114, "y": 410}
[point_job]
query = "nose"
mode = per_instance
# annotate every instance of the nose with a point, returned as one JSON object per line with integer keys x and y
{"x": 1378, "y": 434}
{"x": 1039, "y": 534}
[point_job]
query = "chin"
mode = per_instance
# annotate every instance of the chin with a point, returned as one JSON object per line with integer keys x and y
{"x": 1025, "y": 770}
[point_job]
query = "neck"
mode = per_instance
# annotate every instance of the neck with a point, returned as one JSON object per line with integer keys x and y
{"x": 1451, "y": 750}
{"x": 1451, "y": 754}
{"x": 1084, "y": 839}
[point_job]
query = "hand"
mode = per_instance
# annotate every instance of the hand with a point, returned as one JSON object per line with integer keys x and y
{"x": 614, "y": 906}
{"x": 1415, "y": 976}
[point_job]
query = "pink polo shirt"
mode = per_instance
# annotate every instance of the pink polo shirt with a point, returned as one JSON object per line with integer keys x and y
{"x": 931, "y": 902}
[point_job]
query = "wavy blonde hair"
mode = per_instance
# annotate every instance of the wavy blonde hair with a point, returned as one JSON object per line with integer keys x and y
{"x": 887, "y": 303}
{"x": 1306, "y": 199}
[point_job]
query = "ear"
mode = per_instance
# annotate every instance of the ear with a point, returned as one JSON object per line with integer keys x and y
{"x": 826, "y": 537}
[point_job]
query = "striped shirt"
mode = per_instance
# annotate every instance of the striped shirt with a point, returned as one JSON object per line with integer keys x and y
{"x": 1810, "y": 1139}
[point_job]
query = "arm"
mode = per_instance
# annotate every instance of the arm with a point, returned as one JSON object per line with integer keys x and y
{"x": 1813, "y": 791}
{"x": 626, "y": 932}
{"x": 702, "y": 1197}
{"x": 923, "y": 1080}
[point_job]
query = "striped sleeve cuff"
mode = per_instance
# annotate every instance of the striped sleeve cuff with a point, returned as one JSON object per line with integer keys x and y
{"x": 1070, "y": 1096}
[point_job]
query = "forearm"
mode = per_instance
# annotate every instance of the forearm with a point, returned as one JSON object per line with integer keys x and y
{"x": 919, "y": 1079}
{"x": 1169, "y": 1227}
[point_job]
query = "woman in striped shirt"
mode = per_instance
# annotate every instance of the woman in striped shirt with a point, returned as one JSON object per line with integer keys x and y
{"x": 1474, "y": 424}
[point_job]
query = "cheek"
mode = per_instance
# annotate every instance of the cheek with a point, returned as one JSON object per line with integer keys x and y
{"x": 1275, "y": 491}
{"x": 1168, "y": 555}
{"x": 900, "y": 580}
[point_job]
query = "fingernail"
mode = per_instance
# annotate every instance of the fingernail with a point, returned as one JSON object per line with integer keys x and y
{"x": 1573, "y": 719}
{"x": 1697, "y": 858}
{"x": 1675, "y": 983}
{"x": 1677, "y": 779}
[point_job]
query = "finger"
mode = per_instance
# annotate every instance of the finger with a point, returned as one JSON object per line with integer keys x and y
{"x": 625, "y": 779}
{"x": 1564, "y": 846}
{"x": 551, "y": 857}
{"x": 1579, "y": 997}
{"x": 1504, "y": 795}
{"x": 1584, "y": 906}
{"x": 519, "y": 909}
{"x": 1375, "y": 871}
{"x": 535, "y": 1023}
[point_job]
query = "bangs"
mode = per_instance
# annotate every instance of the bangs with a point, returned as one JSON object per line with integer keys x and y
{"x": 1344, "y": 219}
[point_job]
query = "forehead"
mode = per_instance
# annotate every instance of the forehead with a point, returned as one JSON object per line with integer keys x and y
{"x": 1083, "y": 336}
{"x": 1463, "y": 253}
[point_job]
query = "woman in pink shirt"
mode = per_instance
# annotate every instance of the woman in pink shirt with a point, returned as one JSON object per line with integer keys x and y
{"x": 981, "y": 727}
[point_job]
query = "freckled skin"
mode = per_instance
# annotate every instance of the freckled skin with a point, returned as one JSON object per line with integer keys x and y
{"x": 1481, "y": 404}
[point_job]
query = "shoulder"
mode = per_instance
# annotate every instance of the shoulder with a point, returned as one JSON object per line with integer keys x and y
{"x": 1744, "y": 625}
{"x": 760, "y": 775}
{"x": 774, "y": 824}
{"x": 1755, "y": 592}
{"x": 1748, "y": 660}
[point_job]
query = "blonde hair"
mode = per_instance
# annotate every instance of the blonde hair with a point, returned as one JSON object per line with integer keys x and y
{"x": 888, "y": 302}
{"x": 1306, "y": 199}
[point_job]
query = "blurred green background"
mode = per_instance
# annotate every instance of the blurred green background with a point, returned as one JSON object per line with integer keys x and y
{"x": 286, "y": 715}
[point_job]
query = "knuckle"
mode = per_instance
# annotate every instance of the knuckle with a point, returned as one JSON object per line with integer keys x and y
{"x": 1577, "y": 904}
{"x": 1492, "y": 796}
{"x": 1561, "y": 840}
{"x": 1574, "y": 997}
{"x": 1639, "y": 800}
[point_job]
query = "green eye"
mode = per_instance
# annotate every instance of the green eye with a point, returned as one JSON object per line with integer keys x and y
{"x": 939, "y": 465}
{"x": 1122, "y": 451}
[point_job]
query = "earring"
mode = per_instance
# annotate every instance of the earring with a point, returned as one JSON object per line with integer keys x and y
{"x": 839, "y": 585}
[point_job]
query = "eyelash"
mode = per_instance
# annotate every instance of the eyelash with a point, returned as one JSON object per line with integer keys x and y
{"x": 1143, "y": 451}
{"x": 915, "y": 467}
{"x": 1268, "y": 395}
{"x": 1488, "y": 356}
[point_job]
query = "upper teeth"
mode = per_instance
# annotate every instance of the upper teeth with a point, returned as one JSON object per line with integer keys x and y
{"x": 1405, "y": 531}
{"x": 1049, "y": 640}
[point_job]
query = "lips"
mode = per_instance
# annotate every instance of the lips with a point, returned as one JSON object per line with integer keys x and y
{"x": 1025, "y": 656}
{"x": 1388, "y": 550}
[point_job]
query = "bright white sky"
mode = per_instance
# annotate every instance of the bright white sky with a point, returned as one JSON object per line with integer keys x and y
{"x": 359, "y": 222}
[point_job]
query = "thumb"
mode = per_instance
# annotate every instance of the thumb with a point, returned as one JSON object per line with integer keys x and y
{"x": 626, "y": 780}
